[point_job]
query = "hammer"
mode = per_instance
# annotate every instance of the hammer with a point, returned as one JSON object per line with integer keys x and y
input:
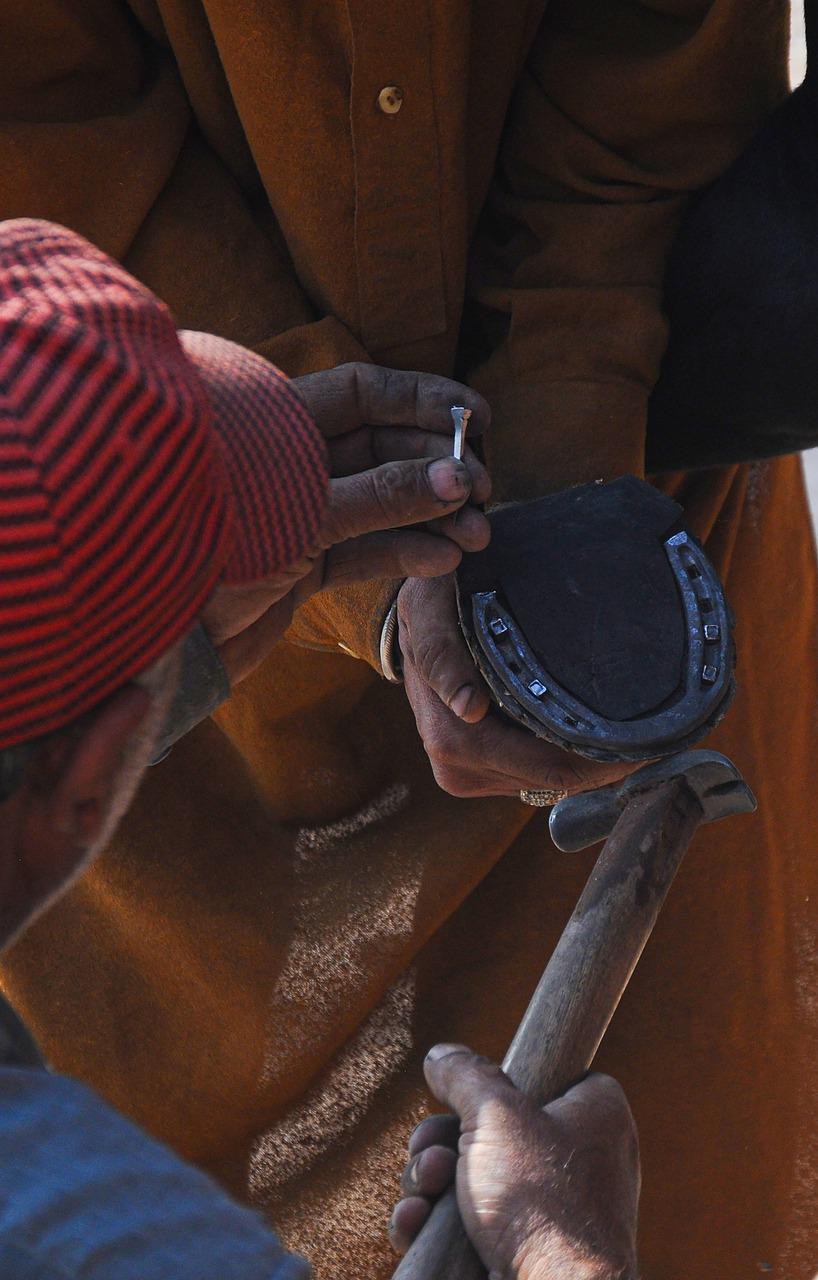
{"x": 649, "y": 820}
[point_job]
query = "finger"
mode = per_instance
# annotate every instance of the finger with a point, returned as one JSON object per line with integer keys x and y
{"x": 394, "y": 495}
{"x": 369, "y": 446}
{"x": 430, "y": 1172}
{"x": 466, "y": 772}
{"x": 468, "y": 527}
{"x": 434, "y": 1131}
{"x": 493, "y": 757}
{"x": 396, "y": 442}
{"x": 465, "y": 1081}
{"x": 401, "y": 553}
{"x": 433, "y": 645}
{"x": 407, "y": 1219}
{"x": 345, "y": 398}
{"x": 242, "y": 653}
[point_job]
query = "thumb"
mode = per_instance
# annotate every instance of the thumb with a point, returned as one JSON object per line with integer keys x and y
{"x": 464, "y": 1081}
{"x": 435, "y": 651}
{"x": 400, "y": 493}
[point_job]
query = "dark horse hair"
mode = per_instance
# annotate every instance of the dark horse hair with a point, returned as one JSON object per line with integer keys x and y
{"x": 740, "y": 376}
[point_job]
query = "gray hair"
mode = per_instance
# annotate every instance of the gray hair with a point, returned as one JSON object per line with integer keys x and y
{"x": 16, "y": 760}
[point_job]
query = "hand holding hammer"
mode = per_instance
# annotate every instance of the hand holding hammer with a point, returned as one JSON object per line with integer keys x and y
{"x": 649, "y": 819}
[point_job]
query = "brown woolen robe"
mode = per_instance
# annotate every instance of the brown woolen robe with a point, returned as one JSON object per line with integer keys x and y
{"x": 293, "y": 912}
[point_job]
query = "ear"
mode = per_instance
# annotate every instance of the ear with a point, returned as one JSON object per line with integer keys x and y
{"x": 84, "y": 778}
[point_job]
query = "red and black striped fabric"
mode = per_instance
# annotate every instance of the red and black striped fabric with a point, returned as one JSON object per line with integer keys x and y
{"x": 115, "y": 509}
{"x": 134, "y": 474}
{"x": 275, "y": 455}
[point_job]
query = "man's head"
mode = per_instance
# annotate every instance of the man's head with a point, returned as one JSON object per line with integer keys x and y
{"x": 72, "y": 787}
{"x": 120, "y": 509}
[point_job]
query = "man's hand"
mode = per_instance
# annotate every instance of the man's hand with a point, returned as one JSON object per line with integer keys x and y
{"x": 473, "y": 753}
{"x": 395, "y": 507}
{"x": 544, "y": 1195}
{"x": 384, "y": 430}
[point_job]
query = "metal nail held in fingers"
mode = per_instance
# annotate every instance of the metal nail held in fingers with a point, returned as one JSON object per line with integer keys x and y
{"x": 461, "y": 425}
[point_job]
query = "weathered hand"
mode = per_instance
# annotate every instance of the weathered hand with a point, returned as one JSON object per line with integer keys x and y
{"x": 383, "y": 429}
{"x": 546, "y": 1194}
{"x": 473, "y": 753}
{"x": 395, "y": 506}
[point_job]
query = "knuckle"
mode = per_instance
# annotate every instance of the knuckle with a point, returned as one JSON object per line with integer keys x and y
{"x": 407, "y": 597}
{"x": 561, "y": 777}
{"x": 502, "y": 1109}
{"x": 431, "y": 560}
{"x": 345, "y": 376}
{"x": 450, "y": 780}
{"x": 432, "y": 661}
{"x": 612, "y": 1100}
{"x": 411, "y": 560}
{"x": 621, "y": 1108}
{"x": 437, "y": 744}
{"x": 391, "y": 487}
{"x": 377, "y": 384}
{"x": 468, "y": 1139}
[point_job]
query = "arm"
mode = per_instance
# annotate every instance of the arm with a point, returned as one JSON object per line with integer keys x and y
{"x": 622, "y": 111}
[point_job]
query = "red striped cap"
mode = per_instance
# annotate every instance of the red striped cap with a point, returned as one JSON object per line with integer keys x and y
{"x": 117, "y": 515}
{"x": 275, "y": 456}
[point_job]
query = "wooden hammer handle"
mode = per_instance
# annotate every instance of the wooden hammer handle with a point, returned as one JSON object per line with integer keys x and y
{"x": 580, "y": 988}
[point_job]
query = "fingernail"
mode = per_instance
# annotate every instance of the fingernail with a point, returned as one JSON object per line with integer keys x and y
{"x": 414, "y": 1131}
{"x": 414, "y": 1172}
{"x": 439, "y": 1051}
{"x": 460, "y": 702}
{"x": 449, "y": 479}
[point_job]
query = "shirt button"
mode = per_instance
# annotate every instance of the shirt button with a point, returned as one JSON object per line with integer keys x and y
{"x": 390, "y": 100}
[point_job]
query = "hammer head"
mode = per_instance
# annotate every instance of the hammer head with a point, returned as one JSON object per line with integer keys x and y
{"x": 718, "y": 785}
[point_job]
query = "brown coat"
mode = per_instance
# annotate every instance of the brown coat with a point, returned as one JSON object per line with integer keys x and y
{"x": 293, "y": 911}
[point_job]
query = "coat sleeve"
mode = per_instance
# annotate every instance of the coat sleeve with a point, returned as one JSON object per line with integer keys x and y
{"x": 622, "y": 110}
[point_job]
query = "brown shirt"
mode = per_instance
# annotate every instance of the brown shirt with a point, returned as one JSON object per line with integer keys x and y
{"x": 293, "y": 912}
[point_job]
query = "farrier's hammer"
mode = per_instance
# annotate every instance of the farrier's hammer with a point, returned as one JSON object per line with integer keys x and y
{"x": 649, "y": 820}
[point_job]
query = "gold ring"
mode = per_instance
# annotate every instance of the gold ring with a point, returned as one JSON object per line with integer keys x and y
{"x": 542, "y": 799}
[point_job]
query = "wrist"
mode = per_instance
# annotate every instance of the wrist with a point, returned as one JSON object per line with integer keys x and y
{"x": 346, "y": 619}
{"x": 553, "y": 1257}
{"x": 568, "y": 1270}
